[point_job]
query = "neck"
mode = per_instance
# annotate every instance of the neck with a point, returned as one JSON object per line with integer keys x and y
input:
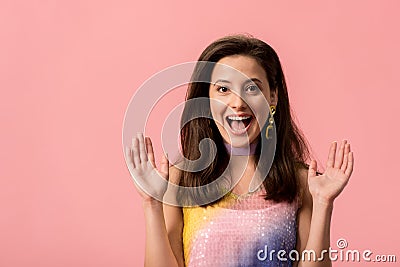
{"x": 241, "y": 151}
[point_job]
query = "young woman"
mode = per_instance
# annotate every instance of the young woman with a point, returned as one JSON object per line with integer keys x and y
{"x": 288, "y": 214}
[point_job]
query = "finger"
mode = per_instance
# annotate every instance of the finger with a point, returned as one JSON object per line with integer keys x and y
{"x": 346, "y": 157}
{"x": 150, "y": 152}
{"x": 340, "y": 155}
{"x": 128, "y": 157}
{"x": 312, "y": 169}
{"x": 135, "y": 152}
{"x": 142, "y": 148}
{"x": 350, "y": 164}
{"x": 331, "y": 156}
{"x": 164, "y": 166}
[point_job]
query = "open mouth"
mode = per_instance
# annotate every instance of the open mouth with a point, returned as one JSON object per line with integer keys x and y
{"x": 239, "y": 124}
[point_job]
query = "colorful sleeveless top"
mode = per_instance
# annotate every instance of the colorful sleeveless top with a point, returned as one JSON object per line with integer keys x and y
{"x": 240, "y": 231}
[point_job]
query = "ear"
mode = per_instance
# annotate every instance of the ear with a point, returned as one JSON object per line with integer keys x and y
{"x": 274, "y": 97}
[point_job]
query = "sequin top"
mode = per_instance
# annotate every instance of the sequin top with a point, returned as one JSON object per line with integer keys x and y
{"x": 240, "y": 231}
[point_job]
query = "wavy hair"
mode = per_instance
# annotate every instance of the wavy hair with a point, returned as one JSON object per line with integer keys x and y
{"x": 291, "y": 152}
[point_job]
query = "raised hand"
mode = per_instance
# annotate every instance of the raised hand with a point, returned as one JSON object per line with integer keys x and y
{"x": 150, "y": 182}
{"x": 326, "y": 187}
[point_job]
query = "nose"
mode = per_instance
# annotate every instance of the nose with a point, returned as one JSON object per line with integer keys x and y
{"x": 237, "y": 101}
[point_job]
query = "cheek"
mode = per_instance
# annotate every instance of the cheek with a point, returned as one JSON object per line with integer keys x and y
{"x": 260, "y": 111}
{"x": 217, "y": 109}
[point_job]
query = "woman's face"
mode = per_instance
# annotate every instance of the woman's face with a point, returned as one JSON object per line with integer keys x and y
{"x": 241, "y": 92}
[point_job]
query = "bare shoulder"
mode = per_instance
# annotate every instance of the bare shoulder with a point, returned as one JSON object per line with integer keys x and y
{"x": 304, "y": 193}
{"x": 170, "y": 194}
{"x": 305, "y": 210}
{"x": 172, "y": 214}
{"x": 174, "y": 174}
{"x": 302, "y": 173}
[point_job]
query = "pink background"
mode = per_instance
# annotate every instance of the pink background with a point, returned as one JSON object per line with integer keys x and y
{"x": 69, "y": 68}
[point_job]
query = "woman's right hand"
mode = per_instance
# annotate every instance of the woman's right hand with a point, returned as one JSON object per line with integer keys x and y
{"x": 150, "y": 182}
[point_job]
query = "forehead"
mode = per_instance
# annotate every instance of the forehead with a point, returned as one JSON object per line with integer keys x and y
{"x": 238, "y": 67}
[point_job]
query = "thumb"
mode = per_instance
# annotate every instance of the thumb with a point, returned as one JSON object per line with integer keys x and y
{"x": 312, "y": 169}
{"x": 164, "y": 166}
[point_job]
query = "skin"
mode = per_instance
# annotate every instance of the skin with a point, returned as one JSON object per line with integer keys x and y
{"x": 240, "y": 94}
{"x": 164, "y": 223}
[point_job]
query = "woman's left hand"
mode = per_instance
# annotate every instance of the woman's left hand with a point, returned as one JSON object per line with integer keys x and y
{"x": 326, "y": 187}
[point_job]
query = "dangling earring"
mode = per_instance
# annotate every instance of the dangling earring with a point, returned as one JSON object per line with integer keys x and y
{"x": 271, "y": 122}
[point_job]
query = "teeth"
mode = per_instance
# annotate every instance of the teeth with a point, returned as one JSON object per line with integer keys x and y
{"x": 236, "y": 118}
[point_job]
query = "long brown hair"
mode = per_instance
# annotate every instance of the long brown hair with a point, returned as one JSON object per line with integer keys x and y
{"x": 291, "y": 150}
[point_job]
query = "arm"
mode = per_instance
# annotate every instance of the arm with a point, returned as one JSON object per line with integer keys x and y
{"x": 164, "y": 226}
{"x": 158, "y": 250}
{"x": 315, "y": 215}
{"x": 141, "y": 164}
{"x": 174, "y": 221}
{"x": 313, "y": 227}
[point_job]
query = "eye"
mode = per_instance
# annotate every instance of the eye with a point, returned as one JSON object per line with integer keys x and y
{"x": 252, "y": 89}
{"x": 222, "y": 89}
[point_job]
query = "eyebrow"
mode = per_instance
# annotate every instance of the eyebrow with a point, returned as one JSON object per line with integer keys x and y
{"x": 226, "y": 81}
{"x": 221, "y": 80}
